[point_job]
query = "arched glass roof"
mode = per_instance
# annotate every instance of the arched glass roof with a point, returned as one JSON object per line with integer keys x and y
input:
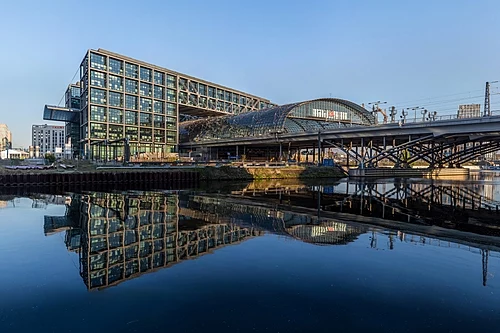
{"x": 309, "y": 116}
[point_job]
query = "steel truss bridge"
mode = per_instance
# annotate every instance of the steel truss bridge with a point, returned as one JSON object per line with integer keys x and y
{"x": 440, "y": 143}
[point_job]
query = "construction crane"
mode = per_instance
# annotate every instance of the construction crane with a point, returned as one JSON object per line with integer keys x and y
{"x": 376, "y": 108}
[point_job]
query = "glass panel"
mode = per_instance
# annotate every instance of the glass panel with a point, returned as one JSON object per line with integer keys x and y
{"x": 131, "y": 86}
{"x": 130, "y": 118}
{"x": 131, "y": 70}
{"x": 227, "y": 96}
{"x": 115, "y": 83}
{"x": 159, "y": 78}
{"x": 171, "y": 81}
{"x": 98, "y": 61}
{"x": 170, "y": 122}
{"x": 182, "y": 84}
{"x": 159, "y": 135}
{"x": 171, "y": 110}
{"x": 97, "y": 113}
{"x": 146, "y": 89}
{"x": 132, "y": 133}
{"x": 115, "y": 66}
{"x": 158, "y": 107}
{"x": 146, "y": 104}
{"x": 159, "y": 121}
{"x": 203, "y": 89}
{"x": 115, "y": 99}
{"x": 97, "y": 96}
{"x": 146, "y": 74}
{"x": 98, "y": 79}
{"x": 115, "y": 116}
{"x": 97, "y": 131}
{"x": 158, "y": 92}
{"x": 115, "y": 132}
{"x": 236, "y": 98}
{"x": 146, "y": 134}
{"x": 171, "y": 95}
{"x": 211, "y": 92}
{"x": 130, "y": 102}
{"x": 220, "y": 94}
{"x": 145, "y": 119}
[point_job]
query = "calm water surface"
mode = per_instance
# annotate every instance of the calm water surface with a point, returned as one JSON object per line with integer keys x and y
{"x": 245, "y": 258}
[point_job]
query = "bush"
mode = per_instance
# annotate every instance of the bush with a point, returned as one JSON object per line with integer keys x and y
{"x": 50, "y": 157}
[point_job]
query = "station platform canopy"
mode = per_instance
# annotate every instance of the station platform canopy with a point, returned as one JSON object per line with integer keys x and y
{"x": 58, "y": 113}
{"x": 303, "y": 117}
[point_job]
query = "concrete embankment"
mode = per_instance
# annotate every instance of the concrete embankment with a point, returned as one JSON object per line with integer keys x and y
{"x": 158, "y": 177}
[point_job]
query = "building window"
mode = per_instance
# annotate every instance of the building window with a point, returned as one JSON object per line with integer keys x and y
{"x": 227, "y": 96}
{"x": 158, "y": 107}
{"x": 115, "y": 66}
{"x": 159, "y": 121}
{"x": 182, "y": 84}
{"x": 146, "y": 134}
{"x": 159, "y": 135}
{"x": 115, "y": 116}
{"x": 97, "y": 61}
{"x": 243, "y": 100}
{"x": 146, "y": 104}
{"x": 115, "y": 83}
{"x": 159, "y": 78}
{"x": 146, "y": 89}
{"x": 115, "y": 99}
{"x": 130, "y": 102}
{"x": 211, "y": 92}
{"x": 97, "y": 79}
{"x": 171, "y": 95}
{"x": 170, "y": 123}
{"x": 130, "y": 118}
{"x": 97, "y": 96}
{"x": 97, "y": 131}
{"x": 220, "y": 94}
{"x": 132, "y": 133}
{"x": 158, "y": 92}
{"x": 171, "y": 81}
{"x": 131, "y": 70}
{"x": 146, "y": 74}
{"x": 97, "y": 113}
{"x": 202, "y": 89}
{"x": 171, "y": 110}
{"x": 131, "y": 86}
{"x": 145, "y": 119}
{"x": 115, "y": 132}
{"x": 236, "y": 98}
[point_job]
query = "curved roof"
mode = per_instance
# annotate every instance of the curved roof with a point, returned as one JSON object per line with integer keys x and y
{"x": 308, "y": 116}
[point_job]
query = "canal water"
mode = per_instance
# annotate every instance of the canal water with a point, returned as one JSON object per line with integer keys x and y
{"x": 396, "y": 255}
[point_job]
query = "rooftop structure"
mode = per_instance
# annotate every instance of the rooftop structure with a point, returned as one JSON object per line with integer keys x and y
{"x": 309, "y": 116}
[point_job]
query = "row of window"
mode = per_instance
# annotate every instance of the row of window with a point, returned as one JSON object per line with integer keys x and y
{"x": 113, "y": 132}
{"x": 117, "y": 116}
{"x": 132, "y": 71}
{"x": 99, "y": 96}
{"x": 98, "y": 79}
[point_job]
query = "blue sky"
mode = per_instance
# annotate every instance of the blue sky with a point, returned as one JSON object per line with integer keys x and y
{"x": 396, "y": 51}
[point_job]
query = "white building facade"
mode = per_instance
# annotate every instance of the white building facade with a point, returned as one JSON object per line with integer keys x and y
{"x": 48, "y": 139}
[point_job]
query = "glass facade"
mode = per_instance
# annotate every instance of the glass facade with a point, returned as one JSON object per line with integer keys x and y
{"x": 123, "y": 98}
{"x": 311, "y": 116}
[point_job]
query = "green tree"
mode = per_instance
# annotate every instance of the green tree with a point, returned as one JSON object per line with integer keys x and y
{"x": 50, "y": 157}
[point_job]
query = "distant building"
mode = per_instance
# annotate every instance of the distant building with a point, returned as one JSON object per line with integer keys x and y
{"x": 49, "y": 139}
{"x": 14, "y": 154}
{"x": 5, "y": 137}
{"x": 469, "y": 111}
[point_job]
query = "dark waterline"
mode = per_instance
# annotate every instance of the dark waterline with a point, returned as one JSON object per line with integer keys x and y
{"x": 261, "y": 257}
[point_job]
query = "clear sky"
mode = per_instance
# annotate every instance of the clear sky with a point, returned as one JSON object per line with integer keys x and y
{"x": 402, "y": 52}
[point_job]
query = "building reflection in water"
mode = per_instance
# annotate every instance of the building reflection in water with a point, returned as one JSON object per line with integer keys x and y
{"x": 121, "y": 236}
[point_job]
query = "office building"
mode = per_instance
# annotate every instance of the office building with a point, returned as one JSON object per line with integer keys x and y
{"x": 5, "y": 137}
{"x": 49, "y": 139}
{"x": 126, "y": 99}
{"x": 469, "y": 111}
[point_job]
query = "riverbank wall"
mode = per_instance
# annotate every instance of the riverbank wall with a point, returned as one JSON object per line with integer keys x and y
{"x": 158, "y": 177}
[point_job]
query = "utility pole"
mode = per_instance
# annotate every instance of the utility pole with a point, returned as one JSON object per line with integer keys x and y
{"x": 487, "y": 109}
